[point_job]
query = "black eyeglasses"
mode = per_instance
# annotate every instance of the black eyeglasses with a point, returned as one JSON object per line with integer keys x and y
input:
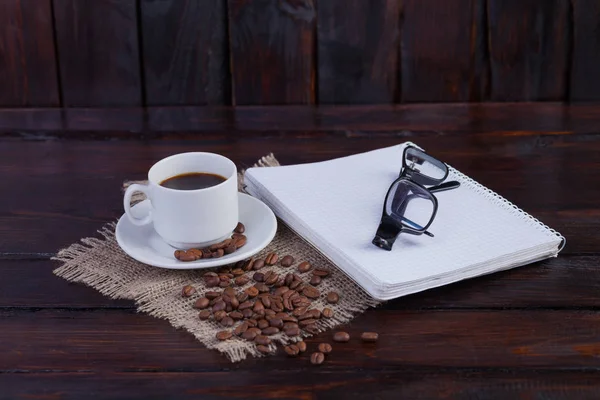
{"x": 409, "y": 205}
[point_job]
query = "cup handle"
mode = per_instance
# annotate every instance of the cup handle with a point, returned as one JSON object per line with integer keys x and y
{"x": 127, "y": 204}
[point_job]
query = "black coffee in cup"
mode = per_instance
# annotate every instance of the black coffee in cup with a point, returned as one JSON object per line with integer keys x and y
{"x": 192, "y": 181}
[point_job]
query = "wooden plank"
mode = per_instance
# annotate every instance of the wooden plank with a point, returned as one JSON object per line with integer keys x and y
{"x": 516, "y": 167}
{"x": 358, "y": 51}
{"x": 482, "y": 119}
{"x": 443, "y": 56}
{"x": 28, "y": 75}
{"x": 529, "y": 46}
{"x": 272, "y": 46}
{"x": 185, "y": 52}
{"x": 566, "y": 282}
{"x": 95, "y": 341}
{"x": 310, "y": 383}
{"x": 98, "y": 50}
{"x": 585, "y": 64}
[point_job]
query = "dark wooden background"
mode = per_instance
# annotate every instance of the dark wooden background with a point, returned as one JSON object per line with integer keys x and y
{"x": 131, "y": 53}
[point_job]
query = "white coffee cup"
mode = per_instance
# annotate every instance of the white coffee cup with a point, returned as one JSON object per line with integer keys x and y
{"x": 189, "y": 218}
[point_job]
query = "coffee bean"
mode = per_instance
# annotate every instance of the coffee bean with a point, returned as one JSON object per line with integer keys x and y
{"x": 311, "y": 292}
{"x": 266, "y": 300}
{"x": 217, "y": 246}
{"x": 212, "y": 281}
{"x": 315, "y": 280}
{"x": 252, "y": 291}
{"x": 293, "y": 331}
{"x": 312, "y": 328}
{"x": 225, "y": 276}
{"x": 218, "y": 253}
{"x": 306, "y": 322}
{"x": 287, "y": 261}
{"x": 245, "y": 305}
{"x": 289, "y": 325}
{"x": 280, "y": 282}
{"x": 325, "y": 348}
{"x": 271, "y": 279}
{"x": 237, "y": 272}
{"x": 223, "y": 335}
{"x": 369, "y": 336}
{"x": 224, "y": 284}
{"x": 262, "y": 323}
{"x": 271, "y": 330}
{"x": 239, "y": 228}
{"x": 258, "y": 264}
{"x": 235, "y": 303}
{"x": 295, "y": 284}
{"x": 292, "y": 350}
{"x": 247, "y": 313}
{"x": 304, "y": 267}
{"x": 299, "y": 312}
{"x": 201, "y": 303}
{"x": 206, "y": 253}
{"x": 320, "y": 273}
{"x": 276, "y": 305}
{"x": 230, "y": 249}
{"x": 242, "y": 296}
{"x": 341, "y": 337}
{"x": 227, "y": 321}
{"x": 333, "y": 297}
{"x": 289, "y": 318}
{"x": 327, "y": 312}
{"x": 240, "y": 241}
{"x": 276, "y": 322}
{"x": 251, "y": 322}
{"x": 219, "y": 315}
{"x": 218, "y": 306}
{"x": 310, "y": 314}
{"x": 251, "y": 333}
{"x": 301, "y": 346}
{"x": 317, "y": 358}
{"x": 258, "y": 277}
{"x": 289, "y": 278}
{"x": 248, "y": 264}
{"x": 183, "y": 255}
{"x": 271, "y": 259}
{"x": 281, "y": 290}
{"x": 262, "y": 339}
{"x": 301, "y": 302}
{"x": 204, "y": 315}
{"x": 262, "y": 288}
{"x": 231, "y": 292}
{"x": 209, "y": 274}
{"x": 187, "y": 291}
{"x": 212, "y": 295}
{"x": 269, "y": 313}
{"x": 258, "y": 306}
{"x": 241, "y": 328}
{"x": 236, "y": 315}
{"x": 263, "y": 349}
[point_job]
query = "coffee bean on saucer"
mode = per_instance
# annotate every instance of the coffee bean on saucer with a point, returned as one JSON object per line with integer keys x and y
{"x": 317, "y": 358}
{"x": 333, "y": 297}
{"x": 206, "y": 253}
{"x": 341, "y": 337}
{"x": 301, "y": 346}
{"x": 240, "y": 241}
{"x": 224, "y": 335}
{"x": 325, "y": 348}
{"x": 304, "y": 267}
{"x": 258, "y": 264}
{"x": 188, "y": 291}
{"x": 271, "y": 259}
{"x": 369, "y": 336}
{"x": 287, "y": 261}
{"x": 201, "y": 303}
{"x": 263, "y": 349}
{"x": 321, "y": 273}
{"x": 230, "y": 249}
{"x": 327, "y": 312}
{"x": 315, "y": 280}
{"x": 204, "y": 315}
{"x": 240, "y": 228}
{"x": 218, "y": 253}
{"x": 292, "y": 350}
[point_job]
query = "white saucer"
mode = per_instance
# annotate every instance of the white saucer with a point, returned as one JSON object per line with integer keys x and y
{"x": 145, "y": 245}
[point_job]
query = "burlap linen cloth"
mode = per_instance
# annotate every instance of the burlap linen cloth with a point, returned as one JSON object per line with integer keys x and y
{"x": 101, "y": 264}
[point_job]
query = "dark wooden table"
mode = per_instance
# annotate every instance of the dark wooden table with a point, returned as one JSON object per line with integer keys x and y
{"x": 529, "y": 333}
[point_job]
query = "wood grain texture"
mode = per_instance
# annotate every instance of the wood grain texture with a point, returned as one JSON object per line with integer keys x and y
{"x": 98, "y": 50}
{"x": 566, "y": 282}
{"x": 310, "y": 383}
{"x": 529, "y": 45}
{"x": 443, "y": 51}
{"x": 79, "y": 340}
{"x": 185, "y": 52}
{"x": 28, "y": 75}
{"x": 585, "y": 58}
{"x": 271, "y": 50}
{"x": 358, "y": 51}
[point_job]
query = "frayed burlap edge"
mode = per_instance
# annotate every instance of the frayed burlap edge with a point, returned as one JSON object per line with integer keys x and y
{"x": 101, "y": 264}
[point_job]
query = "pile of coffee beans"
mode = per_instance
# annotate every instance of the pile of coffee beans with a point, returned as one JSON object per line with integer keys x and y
{"x": 275, "y": 303}
{"x": 217, "y": 250}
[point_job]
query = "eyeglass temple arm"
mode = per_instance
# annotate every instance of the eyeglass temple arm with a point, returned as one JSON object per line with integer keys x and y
{"x": 444, "y": 186}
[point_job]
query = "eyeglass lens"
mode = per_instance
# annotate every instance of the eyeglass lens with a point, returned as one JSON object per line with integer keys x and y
{"x": 424, "y": 164}
{"x": 410, "y": 205}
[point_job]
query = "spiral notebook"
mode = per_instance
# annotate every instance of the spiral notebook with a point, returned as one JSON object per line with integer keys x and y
{"x": 336, "y": 206}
